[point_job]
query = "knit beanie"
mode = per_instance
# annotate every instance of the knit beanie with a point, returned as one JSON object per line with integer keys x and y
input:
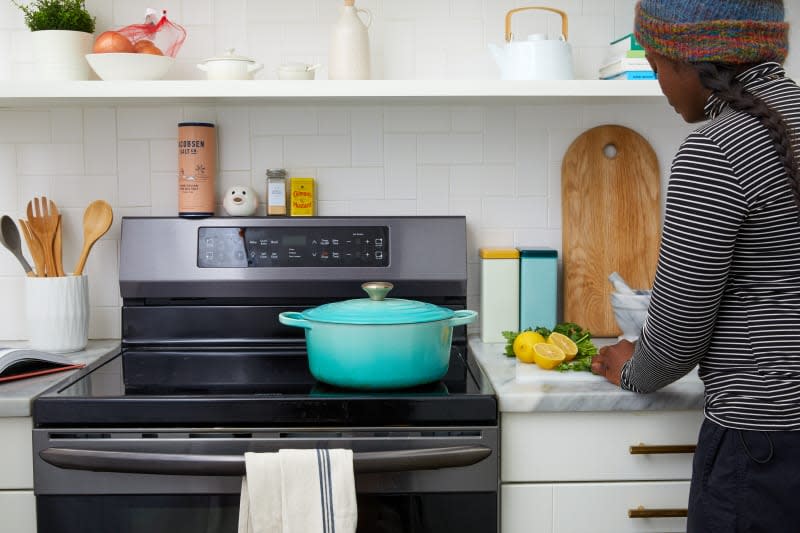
{"x": 720, "y": 31}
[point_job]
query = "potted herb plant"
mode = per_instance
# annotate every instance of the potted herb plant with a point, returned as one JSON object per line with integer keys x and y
{"x": 61, "y": 32}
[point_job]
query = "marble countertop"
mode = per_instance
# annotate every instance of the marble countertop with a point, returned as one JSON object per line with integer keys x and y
{"x": 16, "y": 396}
{"x": 525, "y": 388}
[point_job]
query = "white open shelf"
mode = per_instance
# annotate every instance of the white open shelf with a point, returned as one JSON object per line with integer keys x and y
{"x": 38, "y": 93}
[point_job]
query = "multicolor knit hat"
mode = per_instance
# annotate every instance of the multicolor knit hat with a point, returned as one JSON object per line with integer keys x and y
{"x": 722, "y": 31}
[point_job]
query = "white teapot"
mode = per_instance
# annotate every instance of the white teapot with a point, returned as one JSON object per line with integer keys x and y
{"x": 537, "y": 58}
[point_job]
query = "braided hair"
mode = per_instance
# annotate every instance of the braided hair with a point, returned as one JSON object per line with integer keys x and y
{"x": 721, "y": 80}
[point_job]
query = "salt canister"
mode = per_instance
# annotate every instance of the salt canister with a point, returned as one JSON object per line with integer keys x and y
{"x": 499, "y": 292}
{"x": 538, "y": 287}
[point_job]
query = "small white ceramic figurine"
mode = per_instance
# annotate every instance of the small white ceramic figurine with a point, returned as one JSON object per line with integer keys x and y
{"x": 240, "y": 201}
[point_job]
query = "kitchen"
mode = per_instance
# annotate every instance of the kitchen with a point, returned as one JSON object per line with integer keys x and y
{"x": 496, "y": 161}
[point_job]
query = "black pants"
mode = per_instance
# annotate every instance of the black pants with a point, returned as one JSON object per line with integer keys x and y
{"x": 745, "y": 481}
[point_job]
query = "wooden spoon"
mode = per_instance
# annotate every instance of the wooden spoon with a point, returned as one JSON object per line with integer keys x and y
{"x": 96, "y": 220}
{"x": 34, "y": 247}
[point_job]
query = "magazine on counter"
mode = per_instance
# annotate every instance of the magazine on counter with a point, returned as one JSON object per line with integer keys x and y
{"x": 20, "y": 363}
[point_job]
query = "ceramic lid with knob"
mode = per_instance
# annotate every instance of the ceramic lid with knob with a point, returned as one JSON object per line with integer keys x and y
{"x": 229, "y": 56}
{"x": 377, "y": 309}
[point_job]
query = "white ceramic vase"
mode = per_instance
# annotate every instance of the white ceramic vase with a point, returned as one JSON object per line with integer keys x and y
{"x": 349, "y": 56}
{"x": 57, "y": 313}
{"x": 61, "y": 54}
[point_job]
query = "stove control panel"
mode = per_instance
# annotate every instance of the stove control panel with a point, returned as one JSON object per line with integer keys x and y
{"x": 245, "y": 247}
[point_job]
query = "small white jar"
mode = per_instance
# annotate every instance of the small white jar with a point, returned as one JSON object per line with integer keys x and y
{"x": 229, "y": 67}
{"x": 296, "y": 71}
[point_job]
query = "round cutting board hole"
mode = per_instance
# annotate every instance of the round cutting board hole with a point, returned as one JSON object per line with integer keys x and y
{"x": 610, "y": 150}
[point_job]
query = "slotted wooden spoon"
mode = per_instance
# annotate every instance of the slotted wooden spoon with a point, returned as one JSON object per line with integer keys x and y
{"x": 34, "y": 247}
{"x": 96, "y": 220}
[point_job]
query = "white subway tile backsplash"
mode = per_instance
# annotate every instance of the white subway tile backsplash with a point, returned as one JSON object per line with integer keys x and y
{"x": 317, "y": 150}
{"x": 367, "y": 135}
{"x": 350, "y": 184}
{"x": 233, "y": 138}
{"x": 55, "y": 159}
{"x": 197, "y": 12}
{"x": 433, "y": 188}
{"x": 103, "y": 272}
{"x": 284, "y": 120}
{"x": 467, "y": 119}
{"x": 416, "y": 119}
{"x": 8, "y": 178}
{"x": 333, "y": 121}
{"x": 24, "y": 126}
{"x": 104, "y": 322}
{"x": 267, "y": 153}
{"x": 134, "y": 167}
{"x": 401, "y": 153}
{"x": 499, "y": 135}
{"x": 148, "y": 122}
{"x": 164, "y": 155}
{"x": 66, "y": 125}
{"x": 30, "y": 187}
{"x": 100, "y": 140}
{"x": 456, "y": 148}
{"x": 12, "y": 309}
{"x": 280, "y": 11}
{"x": 521, "y": 212}
{"x": 133, "y": 11}
{"x": 80, "y": 191}
{"x": 164, "y": 190}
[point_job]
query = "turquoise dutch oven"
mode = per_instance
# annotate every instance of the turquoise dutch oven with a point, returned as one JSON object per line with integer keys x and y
{"x": 378, "y": 342}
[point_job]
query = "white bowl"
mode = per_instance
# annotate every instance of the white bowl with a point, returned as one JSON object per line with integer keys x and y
{"x": 122, "y": 66}
{"x": 630, "y": 310}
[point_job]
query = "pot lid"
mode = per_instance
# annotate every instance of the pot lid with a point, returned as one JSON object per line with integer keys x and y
{"x": 229, "y": 56}
{"x": 377, "y": 309}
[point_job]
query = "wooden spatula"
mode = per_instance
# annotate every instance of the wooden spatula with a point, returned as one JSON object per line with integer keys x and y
{"x": 96, "y": 220}
{"x": 34, "y": 247}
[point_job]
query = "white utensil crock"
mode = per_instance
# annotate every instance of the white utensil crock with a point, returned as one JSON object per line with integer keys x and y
{"x": 57, "y": 313}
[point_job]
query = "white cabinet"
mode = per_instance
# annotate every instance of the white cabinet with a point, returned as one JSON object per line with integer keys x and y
{"x": 573, "y": 472}
{"x": 17, "y": 503}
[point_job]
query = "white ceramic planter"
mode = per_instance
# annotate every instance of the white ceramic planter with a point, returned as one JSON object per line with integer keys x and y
{"x": 61, "y": 54}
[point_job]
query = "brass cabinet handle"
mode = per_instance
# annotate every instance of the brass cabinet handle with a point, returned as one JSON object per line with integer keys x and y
{"x": 643, "y": 449}
{"x": 641, "y": 512}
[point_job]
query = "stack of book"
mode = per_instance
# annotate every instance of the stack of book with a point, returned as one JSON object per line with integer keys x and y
{"x": 625, "y": 61}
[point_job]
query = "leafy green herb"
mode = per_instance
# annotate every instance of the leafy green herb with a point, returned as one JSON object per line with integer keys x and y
{"x": 57, "y": 15}
{"x": 582, "y": 338}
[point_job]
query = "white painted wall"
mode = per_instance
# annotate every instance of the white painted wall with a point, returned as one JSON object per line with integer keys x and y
{"x": 498, "y": 165}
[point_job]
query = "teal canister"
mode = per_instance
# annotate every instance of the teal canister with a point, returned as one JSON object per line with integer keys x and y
{"x": 538, "y": 287}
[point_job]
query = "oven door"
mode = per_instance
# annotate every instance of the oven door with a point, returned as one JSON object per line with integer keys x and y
{"x": 424, "y": 480}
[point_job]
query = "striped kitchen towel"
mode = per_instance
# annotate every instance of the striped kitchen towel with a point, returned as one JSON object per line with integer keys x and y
{"x": 298, "y": 491}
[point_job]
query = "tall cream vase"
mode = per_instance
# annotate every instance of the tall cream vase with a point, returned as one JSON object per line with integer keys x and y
{"x": 349, "y": 57}
{"x": 61, "y": 54}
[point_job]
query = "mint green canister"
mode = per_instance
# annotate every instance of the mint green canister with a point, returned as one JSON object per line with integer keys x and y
{"x": 538, "y": 287}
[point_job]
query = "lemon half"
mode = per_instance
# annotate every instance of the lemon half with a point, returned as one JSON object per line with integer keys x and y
{"x": 566, "y": 344}
{"x": 548, "y": 356}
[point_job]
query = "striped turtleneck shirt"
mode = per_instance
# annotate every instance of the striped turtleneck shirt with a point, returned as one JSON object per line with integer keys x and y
{"x": 726, "y": 294}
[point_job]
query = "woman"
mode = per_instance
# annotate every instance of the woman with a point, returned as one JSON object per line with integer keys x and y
{"x": 726, "y": 294}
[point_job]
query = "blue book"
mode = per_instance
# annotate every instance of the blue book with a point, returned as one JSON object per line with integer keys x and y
{"x": 634, "y": 75}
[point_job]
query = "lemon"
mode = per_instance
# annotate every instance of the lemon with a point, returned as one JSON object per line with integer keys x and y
{"x": 548, "y": 356}
{"x": 524, "y": 343}
{"x": 566, "y": 344}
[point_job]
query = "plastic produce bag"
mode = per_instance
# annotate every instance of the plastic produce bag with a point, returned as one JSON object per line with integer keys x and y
{"x": 158, "y": 29}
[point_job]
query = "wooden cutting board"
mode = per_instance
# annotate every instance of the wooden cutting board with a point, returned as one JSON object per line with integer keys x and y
{"x": 611, "y": 221}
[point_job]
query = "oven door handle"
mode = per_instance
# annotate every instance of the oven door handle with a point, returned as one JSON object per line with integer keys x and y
{"x": 175, "y": 464}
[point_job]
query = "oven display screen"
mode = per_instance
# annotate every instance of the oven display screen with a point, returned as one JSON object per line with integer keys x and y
{"x": 244, "y": 247}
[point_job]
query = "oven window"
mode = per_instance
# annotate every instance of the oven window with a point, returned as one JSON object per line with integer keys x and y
{"x": 377, "y": 513}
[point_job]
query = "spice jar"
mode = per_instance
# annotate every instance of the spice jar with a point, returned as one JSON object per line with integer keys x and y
{"x": 276, "y": 191}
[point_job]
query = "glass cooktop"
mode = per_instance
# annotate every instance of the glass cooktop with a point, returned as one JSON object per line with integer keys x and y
{"x": 264, "y": 386}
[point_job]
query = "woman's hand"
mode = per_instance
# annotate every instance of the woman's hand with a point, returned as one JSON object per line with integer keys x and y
{"x": 609, "y": 360}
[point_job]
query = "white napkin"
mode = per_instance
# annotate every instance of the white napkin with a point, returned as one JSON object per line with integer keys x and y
{"x": 298, "y": 491}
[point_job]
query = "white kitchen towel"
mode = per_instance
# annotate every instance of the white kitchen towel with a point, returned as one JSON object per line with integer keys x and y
{"x": 298, "y": 491}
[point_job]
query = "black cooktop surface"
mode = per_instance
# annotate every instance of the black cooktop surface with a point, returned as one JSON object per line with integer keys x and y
{"x": 264, "y": 386}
